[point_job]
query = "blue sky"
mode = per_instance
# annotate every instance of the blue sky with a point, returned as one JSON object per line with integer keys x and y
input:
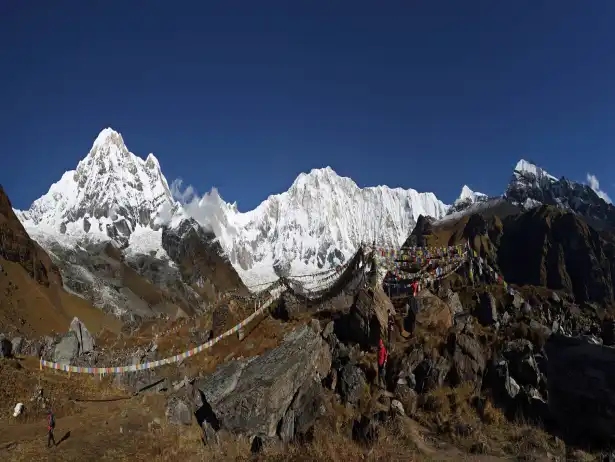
{"x": 245, "y": 95}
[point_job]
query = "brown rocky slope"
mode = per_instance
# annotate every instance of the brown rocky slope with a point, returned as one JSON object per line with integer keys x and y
{"x": 32, "y": 299}
{"x": 544, "y": 247}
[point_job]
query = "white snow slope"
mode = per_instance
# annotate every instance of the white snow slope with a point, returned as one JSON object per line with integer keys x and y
{"x": 318, "y": 223}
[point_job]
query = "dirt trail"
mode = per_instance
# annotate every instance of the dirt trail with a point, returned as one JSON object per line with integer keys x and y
{"x": 99, "y": 431}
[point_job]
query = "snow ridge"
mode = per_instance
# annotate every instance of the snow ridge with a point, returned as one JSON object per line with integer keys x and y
{"x": 318, "y": 223}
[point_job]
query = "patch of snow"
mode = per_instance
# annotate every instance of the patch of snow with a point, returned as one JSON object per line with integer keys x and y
{"x": 146, "y": 241}
{"x": 531, "y": 203}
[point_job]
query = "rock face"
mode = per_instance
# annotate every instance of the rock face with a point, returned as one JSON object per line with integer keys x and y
{"x": 468, "y": 358}
{"x": 85, "y": 339}
{"x": 582, "y": 386}
{"x": 368, "y": 318}
{"x": 67, "y": 349}
{"x": 420, "y": 233}
{"x": 16, "y": 246}
{"x": 557, "y": 249}
{"x": 201, "y": 259}
{"x": 434, "y": 314}
{"x": 352, "y": 383}
{"x": 252, "y": 396}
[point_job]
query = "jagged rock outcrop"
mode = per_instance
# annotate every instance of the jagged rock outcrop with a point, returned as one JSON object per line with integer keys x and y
{"x": 67, "y": 349}
{"x": 85, "y": 339}
{"x": 557, "y": 249}
{"x": 253, "y": 396}
{"x": 351, "y": 383}
{"x": 367, "y": 320}
{"x": 201, "y": 259}
{"x": 422, "y": 230}
{"x": 468, "y": 358}
{"x": 16, "y": 246}
{"x": 532, "y": 186}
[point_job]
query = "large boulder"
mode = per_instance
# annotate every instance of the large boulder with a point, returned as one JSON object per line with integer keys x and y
{"x": 307, "y": 406}
{"x": 368, "y": 318}
{"x": 85, "y": 339}
{"x": 252, "y": 396}
{"x": 352, "y": 383}
{"x": 454, "y": 303}
{"x": 67, "y": 349}
{"x": 17, "y": 344}
{"x": 434, "y": 314}
{"x": 468, "y": 359}
{"x": 582, "y": 386}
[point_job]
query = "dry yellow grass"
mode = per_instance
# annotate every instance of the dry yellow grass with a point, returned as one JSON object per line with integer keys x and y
{"x": 34, "y": 310}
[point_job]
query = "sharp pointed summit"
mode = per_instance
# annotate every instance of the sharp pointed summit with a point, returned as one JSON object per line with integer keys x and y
{"x": 108, "y": 195}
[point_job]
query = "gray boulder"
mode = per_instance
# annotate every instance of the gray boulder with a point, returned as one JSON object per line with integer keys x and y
{"x": 307, "y": 406}
{"x": 468, "y": 359}
{"x": 252, "y": 396}
{"x": 351, "y": 383}
{"x": 517, "y": 301}
{"x": 18, "y": 344}
{"x": 504, "y": 387}
{"x": 178, "y": 412}
{"x": 85, "y": 339}
{"x": 146, "y": 380}
{"x": 454, "y": 303}
{"x": 67, "y": 349}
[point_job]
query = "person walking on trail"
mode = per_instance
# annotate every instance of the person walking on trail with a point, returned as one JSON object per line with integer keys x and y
{"x": 51, "y": 424}
{"x": 382, "y": 359}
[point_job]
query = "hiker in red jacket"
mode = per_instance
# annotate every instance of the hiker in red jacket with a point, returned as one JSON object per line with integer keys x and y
{"x": 51, "y": 424}
{"x": 382, "y": 359}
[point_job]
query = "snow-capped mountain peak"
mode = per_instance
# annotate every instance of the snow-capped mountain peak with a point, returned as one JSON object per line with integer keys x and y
{"x": 528, "y": 170}
{"x": 466, "y": 200}
{"x": 532, "y": 186}
{"x": 109, "y": 194}
{"x": 319, "y": 222}
{"x": 468, "y": 194}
